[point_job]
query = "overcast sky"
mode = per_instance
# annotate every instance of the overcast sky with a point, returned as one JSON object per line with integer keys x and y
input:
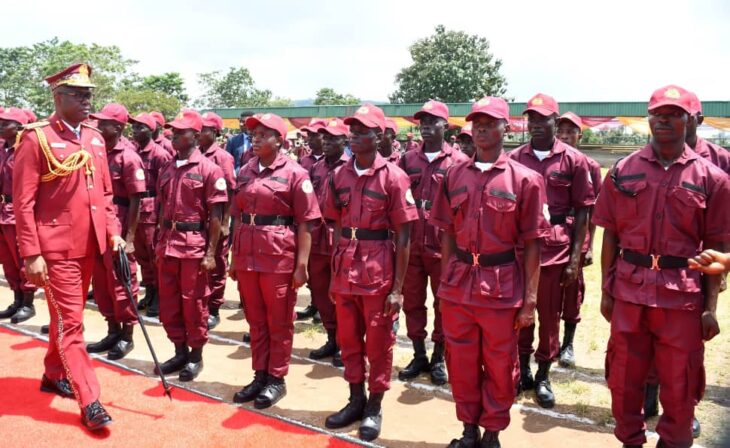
{"x": 574, "y": 50}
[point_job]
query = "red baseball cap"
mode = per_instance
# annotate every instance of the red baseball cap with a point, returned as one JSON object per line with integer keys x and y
{"x": 159, "y": 118}
{"x": 212, "y": 120}
{"x": 573, "y": 118}
{"x": 335, "y": 127}
{"x": 14, "y": 114}
{"x": 77, "y": 75}
{"x": 113, "y": 112}
{"x": 31, "y": 116}
{"x": 490, "y": 105}
{"x": 671, "y": 95}
{"x": 466, "y": 130}
{"x": 315, "y": 124}
{"x": 435, "y": 108}
{"x": 696, "y": 103}
{"x": 187, "y": 119}
{"x": 145, "y": 119}
{"x": 391, "y": 124}
{"x": 368, "y": 115}
{"x": 409, "y": 134}
{"x": 542, "y": 104}
{"x": 271, "y": 121}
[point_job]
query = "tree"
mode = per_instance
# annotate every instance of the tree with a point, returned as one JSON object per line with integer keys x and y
{"x": 235, "y": 88}
{"x": 147, "y": 100}
{"x": 449, "y": 66}
{"x": 281, "y": 102}
{"x": 328, "y": 96}
{"x": 170, "y": 83}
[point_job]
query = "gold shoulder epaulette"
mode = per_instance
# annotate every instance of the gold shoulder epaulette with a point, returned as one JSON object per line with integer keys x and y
{"x": 86, "y": 125}
{"x": 37, "y": 124}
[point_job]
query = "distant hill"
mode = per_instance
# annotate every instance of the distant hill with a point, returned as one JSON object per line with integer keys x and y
{"x": 310, "y": 102}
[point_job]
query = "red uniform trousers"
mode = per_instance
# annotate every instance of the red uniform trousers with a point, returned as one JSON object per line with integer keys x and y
{"x": 320, "y": 273}
{"x": 640, "y": 337}
{"x": 573, "y": 296}
{"x": 269, "y": 302}
{"x": 13, "y": 266}
{"x": 66, "y": 356}
{"x": 481, "y": 352}
{"x": 218, "y": 275}
{"x": 144, "y": 252}
{"x": 363, "y": 330}
{"x": 183, "y": 292}
{"x": 109, "y": 293}
{"x": 549, "y": 306}
{"x": 420, "y": 269}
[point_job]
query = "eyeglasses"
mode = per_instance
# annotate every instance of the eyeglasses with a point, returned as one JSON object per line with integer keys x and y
{"x": 78, "y": 96}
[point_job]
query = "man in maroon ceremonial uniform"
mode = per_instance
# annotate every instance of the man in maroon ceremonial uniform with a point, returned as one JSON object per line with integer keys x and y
{"x": 64, "y": 217}
{"x": 425, "y": 168}
{"x": 569, "y": 198}
{"x": 660, "y": 206}
{"x": 368, "y": 199}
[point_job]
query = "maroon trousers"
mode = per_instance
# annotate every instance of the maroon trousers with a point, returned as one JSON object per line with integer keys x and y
{"x": 269, "y": 302}
{"x": 144, "y": 252}
{"x": 109, "y": 293}
{"x": 573, "y": 296}
{"x": 641, "y": 336}
{"x": 365, "y": 331}
{"x": 421, "y": 268}
{"x": 66, "y": 356}
{"x": 183, "y": 291}
{"x": 13, "y": 266}
{"x": 218, "y": 275}
{"x": 549, "y": 306}
{"x": 320, "y": 274}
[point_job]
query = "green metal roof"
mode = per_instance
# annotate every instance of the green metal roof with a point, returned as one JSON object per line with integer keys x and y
{"x": 589, "y": 109}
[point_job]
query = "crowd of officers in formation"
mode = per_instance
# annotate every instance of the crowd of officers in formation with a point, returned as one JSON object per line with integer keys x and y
{"x": 497, "y": 236}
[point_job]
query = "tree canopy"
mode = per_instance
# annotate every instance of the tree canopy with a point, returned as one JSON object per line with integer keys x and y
{"x": 327, "y": 96}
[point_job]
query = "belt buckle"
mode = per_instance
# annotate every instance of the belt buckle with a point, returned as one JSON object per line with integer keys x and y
{"x": 174, "y": 225}
{"x": 474, "y": 259}
{"x": 353, "y": 234}
{"x": 2, "y": 198}
{"x": 252, "y": 219}
{"x": 655, "y": 262}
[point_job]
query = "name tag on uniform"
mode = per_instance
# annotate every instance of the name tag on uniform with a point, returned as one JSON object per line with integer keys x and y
{"x": 57, "y": 145}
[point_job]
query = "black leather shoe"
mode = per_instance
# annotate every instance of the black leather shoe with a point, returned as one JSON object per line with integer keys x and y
{"x": 62, "y": 387}
{"x": 543, "y": 389}
{"x": 527, "y": 382}
{"x": 213, "y": 321}
{"x": 317, "y": 319}
{"x": 419, "y": 364}
{"x": 274, "y": 391}
{"x": 352, "y": 412}
{"x": 113, "y": 336}
{"x": 651, "y": 401}
{"x": 246, "y": 337}
{"x": 24, "y": 313}
{"x": 252, "y": 390}
{"x": 567, "y": 357}
{"x": 307, "y": 313}
{"x": 328, "y": 349}
{"x": 337, "y": 360}
{"x": 95, "y": 417}
{"x": 45, "y": 329}
{"x": 194, "y": 366}
{"x": 90, "y": 296}
{"x": 125, "y": 344}
{"x": 633, "y": 446}
{"x": 696, "y": 428}
{"x": 14, "y": 307}
{"x": 437, "y": 366}
{"x": 490, "y": 439}
{"x": 372, "y": 418}
{"x": 469, "y": 439}
{"x": 175, "y": 363}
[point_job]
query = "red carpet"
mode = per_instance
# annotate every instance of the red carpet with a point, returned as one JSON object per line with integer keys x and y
{"x": 142, "y": 415}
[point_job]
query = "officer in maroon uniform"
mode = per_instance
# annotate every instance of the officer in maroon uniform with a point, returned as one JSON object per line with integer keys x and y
{"x": 569, "y": 198}
{"x": 660, "y": 206}
{"x": 570, "y": 132}
{"x": 334, "y": 140}
{"x": 487, "y": 207}
{"x": 192, "y": 192}
{"x": 466, "y": 142}
{"x": 387, "y": 147}
{"x": 368, "y": 199}
{"x": 273, "y": 208}
{"x": 212, "y": 126}
{"x": 62, "y": 198}
{"x": 158, "y": 136}
{"x": 12, "y": 121}
{"x": 314, "y": 142}
{"x": 425, "y": 168}
{"x": 154, "y": 158}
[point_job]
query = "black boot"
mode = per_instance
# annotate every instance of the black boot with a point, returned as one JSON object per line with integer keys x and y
{"x": 274, "y": 391}
{"x": 527, "y": 382}
{"x": 113, "y": 335}
{"x": 469, "y": 438}
{"x": 125, "y": 344}
{"x": 567, "y": 358}
{"x": 246, "y": 337}
{"x": 651, "y": 401}
{"x": 438, "y": 366}
{"x": 696, "y": 428}
{"x": 543, "y": 389}
{"x": 307, "y": 313}
{"x": 337, "y": 360}
{"x": 252, "y": 390}
{"x": 214, "y": 317}
{"x": 352, "y": 412}
{"x": 14, "y": 307}
{"x": 633, "y": 446}
{"x": 153, "y": 304}
{"x": 45, "y": 329}
{"x": 372, "y": 418}
{"x": 62, "y": 387}
{"x": 95, "y": 417}
{"x": 175, "y": 363}
{"x": 142, "y": 304}
{"x": 490, "y": 439}
{"x": 90, "y": 296}
{"x": 194, "y": 366}
{"x": 328, "y": 349}
{"x": 27, "y": 310}
{"x": 418, "y": 364}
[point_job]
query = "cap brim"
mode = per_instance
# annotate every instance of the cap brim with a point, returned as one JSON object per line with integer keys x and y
{"x": 472, "y": 115}
{"x": 132, "y": 120}
{"x": 211, "y": 124}
{"x": 8, "y": 117}
{"x": 326, "y": 130}
{"x": 669, "y": 103}
{"x": 180, "y": 125}
{"x": 421, "y": 113}
{"x": 365, "y": 122}
{"x": 570, "y": 120}
{"x": 252, "y": 122}
{"x": 545, "y": 112}
{"x": 100, "y": 116}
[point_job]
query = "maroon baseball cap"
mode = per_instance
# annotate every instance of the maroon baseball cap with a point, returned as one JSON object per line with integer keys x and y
{"x": 435, "y": 108}
{"x": 112, "y": 112}
{"x": 671, "y": 95}
{"x": 14, "y": 114}
{"x": 542, "y": 104}
{"x": 368, "y": 115}
{"x": 573, "y": 118}
{"x": 465, "y": 130}
{"x": 315, "y": 124}
{"x": 187, "y": 119}
{"x": 145, "y": 119}
{"x": 31, "y": 116}
{"x": 489, "y": 105}
{"x": 391, "y": 124}
{"x": 158, "y": 117}
{"x": 335, "y": 127}
{"x": 696, "y": 103}
{"x": 212, "y": 120}
{"x": 271, "y": 121}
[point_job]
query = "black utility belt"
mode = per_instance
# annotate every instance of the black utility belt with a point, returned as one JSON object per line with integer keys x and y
{"x": 182, "y": 226}
{"x": 654, "y": 262}
{"x": 558, "y": 219}
{"x": 352, "y": 233}
{"x": 424, "y": 204}
{"x": 118, "y": 200}
{"x": 253, "y": 219}
{"x": 5, "y": 199}
{"x": 148, "y": 194}
{"x": 485, "y": 260}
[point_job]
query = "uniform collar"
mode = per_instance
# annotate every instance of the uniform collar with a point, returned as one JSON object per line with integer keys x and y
{"x": 148, "y": 147}
{"x": 213, "y": 148}
{"x": 558, "y": 147}
{"x": 342, "y": 160}
{"x": 195, "y": 156}
{"x": 702, "y": 148}
{"x": 119, "y": 146}
{"x": 378, "y": 163}
{"x": 62, "y": 129}
{"x": 446, "y": 150}
{"x": 499, "y": 164}
{"x": 647, "y": 153}
{"x": 280, "y": 160}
